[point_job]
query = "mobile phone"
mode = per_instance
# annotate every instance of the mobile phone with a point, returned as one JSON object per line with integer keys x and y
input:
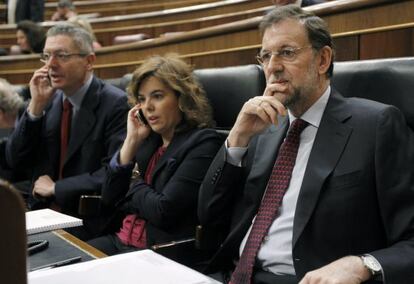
{"x": 141, "y": 117}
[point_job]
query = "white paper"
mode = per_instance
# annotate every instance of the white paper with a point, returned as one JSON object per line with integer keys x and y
{"x": 140, "y": 267}
{"x": 44, "y": 220}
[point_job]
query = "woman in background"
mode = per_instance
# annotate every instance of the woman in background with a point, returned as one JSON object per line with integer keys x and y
{"x": 171, "y": 148}
{"x": 30, "y": 37}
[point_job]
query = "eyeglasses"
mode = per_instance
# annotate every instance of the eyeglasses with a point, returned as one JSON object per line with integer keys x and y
{"x": 60, "y": 56}
{"x": 287, "y": 54}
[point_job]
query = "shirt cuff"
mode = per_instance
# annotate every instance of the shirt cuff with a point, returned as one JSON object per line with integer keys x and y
{"x": 115, "y": 166}
{"x": 234, "y": 155}
{"x": 34, "y": 117}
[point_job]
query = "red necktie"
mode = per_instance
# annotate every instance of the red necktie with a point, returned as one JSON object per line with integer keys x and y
{"x": 276, "y": 188}
{"x": 64, "y": 132}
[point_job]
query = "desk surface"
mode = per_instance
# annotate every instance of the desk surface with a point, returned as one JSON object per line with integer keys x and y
{"x": 62, "y": 245}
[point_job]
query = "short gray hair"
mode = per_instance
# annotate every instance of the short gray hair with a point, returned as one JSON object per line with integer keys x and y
{"x": 316, "y": 28}
{"x": 10, "y": 101}
{"x": 81, "y": 38}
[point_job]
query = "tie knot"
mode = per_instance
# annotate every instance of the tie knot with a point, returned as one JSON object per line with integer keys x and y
{"x": 67, "y": 105}
{"x": 298, "y": 125}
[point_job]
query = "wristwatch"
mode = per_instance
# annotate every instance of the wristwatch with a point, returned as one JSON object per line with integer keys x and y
{"x": 372, "y": 264}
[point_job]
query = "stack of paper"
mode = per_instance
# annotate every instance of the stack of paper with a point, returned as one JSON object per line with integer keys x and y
{"x": 47, "y": 220}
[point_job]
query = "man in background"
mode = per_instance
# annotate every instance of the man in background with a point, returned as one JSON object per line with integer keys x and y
{"x": 32, "y": 10}
{"x": 65, "y": 10}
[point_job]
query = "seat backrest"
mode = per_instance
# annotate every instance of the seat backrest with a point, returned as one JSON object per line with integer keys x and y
{"x": 229, "y": 88}
{"x": 12, "y": 237}
{"x": 390, "y": 81}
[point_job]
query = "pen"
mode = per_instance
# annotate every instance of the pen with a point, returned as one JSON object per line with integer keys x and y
{"x": 58, "y": 263}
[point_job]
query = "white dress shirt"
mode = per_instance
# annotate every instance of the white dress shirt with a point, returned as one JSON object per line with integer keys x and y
{"x": 275, "y": 254}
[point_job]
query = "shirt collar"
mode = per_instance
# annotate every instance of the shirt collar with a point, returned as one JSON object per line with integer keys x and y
{"x": 314, "y": 114}
{"x": 77, "y": 98}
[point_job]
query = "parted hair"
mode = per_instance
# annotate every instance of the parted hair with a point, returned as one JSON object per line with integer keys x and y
{"x": 177, "y": 75}
{"x": 316, "y": 28}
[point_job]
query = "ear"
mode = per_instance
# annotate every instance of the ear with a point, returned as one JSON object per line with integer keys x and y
{"x": 325, "y": 59}
{"x": 90, "y": 58}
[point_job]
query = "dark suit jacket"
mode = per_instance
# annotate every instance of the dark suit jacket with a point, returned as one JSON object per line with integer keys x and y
{"x": 97, "y": 132}
{"x": 30, "y": 10}
{"x": 312, "y": 2}
{"x": 357, "y": 194}
{"x": 169, "y": 205}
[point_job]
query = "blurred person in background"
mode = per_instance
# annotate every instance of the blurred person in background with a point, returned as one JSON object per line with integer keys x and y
{"x": 83, "y": 23}
{"x": 11, "y": 105}
{"x": 64, "y": 11}
{"x": 30, "y": 37}
{"x": 29, "y": 10}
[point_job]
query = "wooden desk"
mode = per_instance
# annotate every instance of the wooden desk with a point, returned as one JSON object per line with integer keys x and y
{"x": 62, "y": 245}
{"x": 79, "y": 243}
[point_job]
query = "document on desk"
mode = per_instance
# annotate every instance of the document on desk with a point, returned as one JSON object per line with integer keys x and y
{"x": 44, "y": 220}
{"x": 140, "y": 267}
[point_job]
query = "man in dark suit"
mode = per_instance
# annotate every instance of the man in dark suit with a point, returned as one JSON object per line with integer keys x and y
{"x": 347, "y": 214}
{"x": 94, "y": 127}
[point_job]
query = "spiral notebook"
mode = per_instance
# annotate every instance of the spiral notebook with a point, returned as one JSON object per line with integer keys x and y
{"x": 44, "y": 220}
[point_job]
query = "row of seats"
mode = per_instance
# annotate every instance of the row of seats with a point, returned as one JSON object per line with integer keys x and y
{"x": 390, "y": 81}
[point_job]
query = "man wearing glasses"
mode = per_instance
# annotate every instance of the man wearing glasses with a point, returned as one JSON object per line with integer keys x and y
{"x": 309, "y": 187}
{"x": 72, "y": 125}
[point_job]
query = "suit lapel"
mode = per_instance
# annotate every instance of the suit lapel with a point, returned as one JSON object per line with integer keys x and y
{"x": 330, "y": 141}
{"x": 85, "y": 119}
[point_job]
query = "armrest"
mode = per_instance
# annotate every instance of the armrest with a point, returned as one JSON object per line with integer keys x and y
{"x": 89, "y": 205}
{"x": 173, "y": 243}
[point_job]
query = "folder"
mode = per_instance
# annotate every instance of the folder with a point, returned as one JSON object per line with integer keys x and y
{"x": 145, "y": 266}
{"x": 44, "y": 220}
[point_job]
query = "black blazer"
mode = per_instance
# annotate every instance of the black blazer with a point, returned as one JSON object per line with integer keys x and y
{"x": 357, "y": 194}
{"x": 169, "y": 205}
{"x": 97, "y": 133}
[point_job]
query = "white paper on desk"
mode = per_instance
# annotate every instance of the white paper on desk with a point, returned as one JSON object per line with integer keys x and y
{"x": 45, "y": 220}
{"x": 140, "y": 267}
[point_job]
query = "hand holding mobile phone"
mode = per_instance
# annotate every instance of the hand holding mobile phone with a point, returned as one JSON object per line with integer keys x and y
{"x": 141, "y": 117}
